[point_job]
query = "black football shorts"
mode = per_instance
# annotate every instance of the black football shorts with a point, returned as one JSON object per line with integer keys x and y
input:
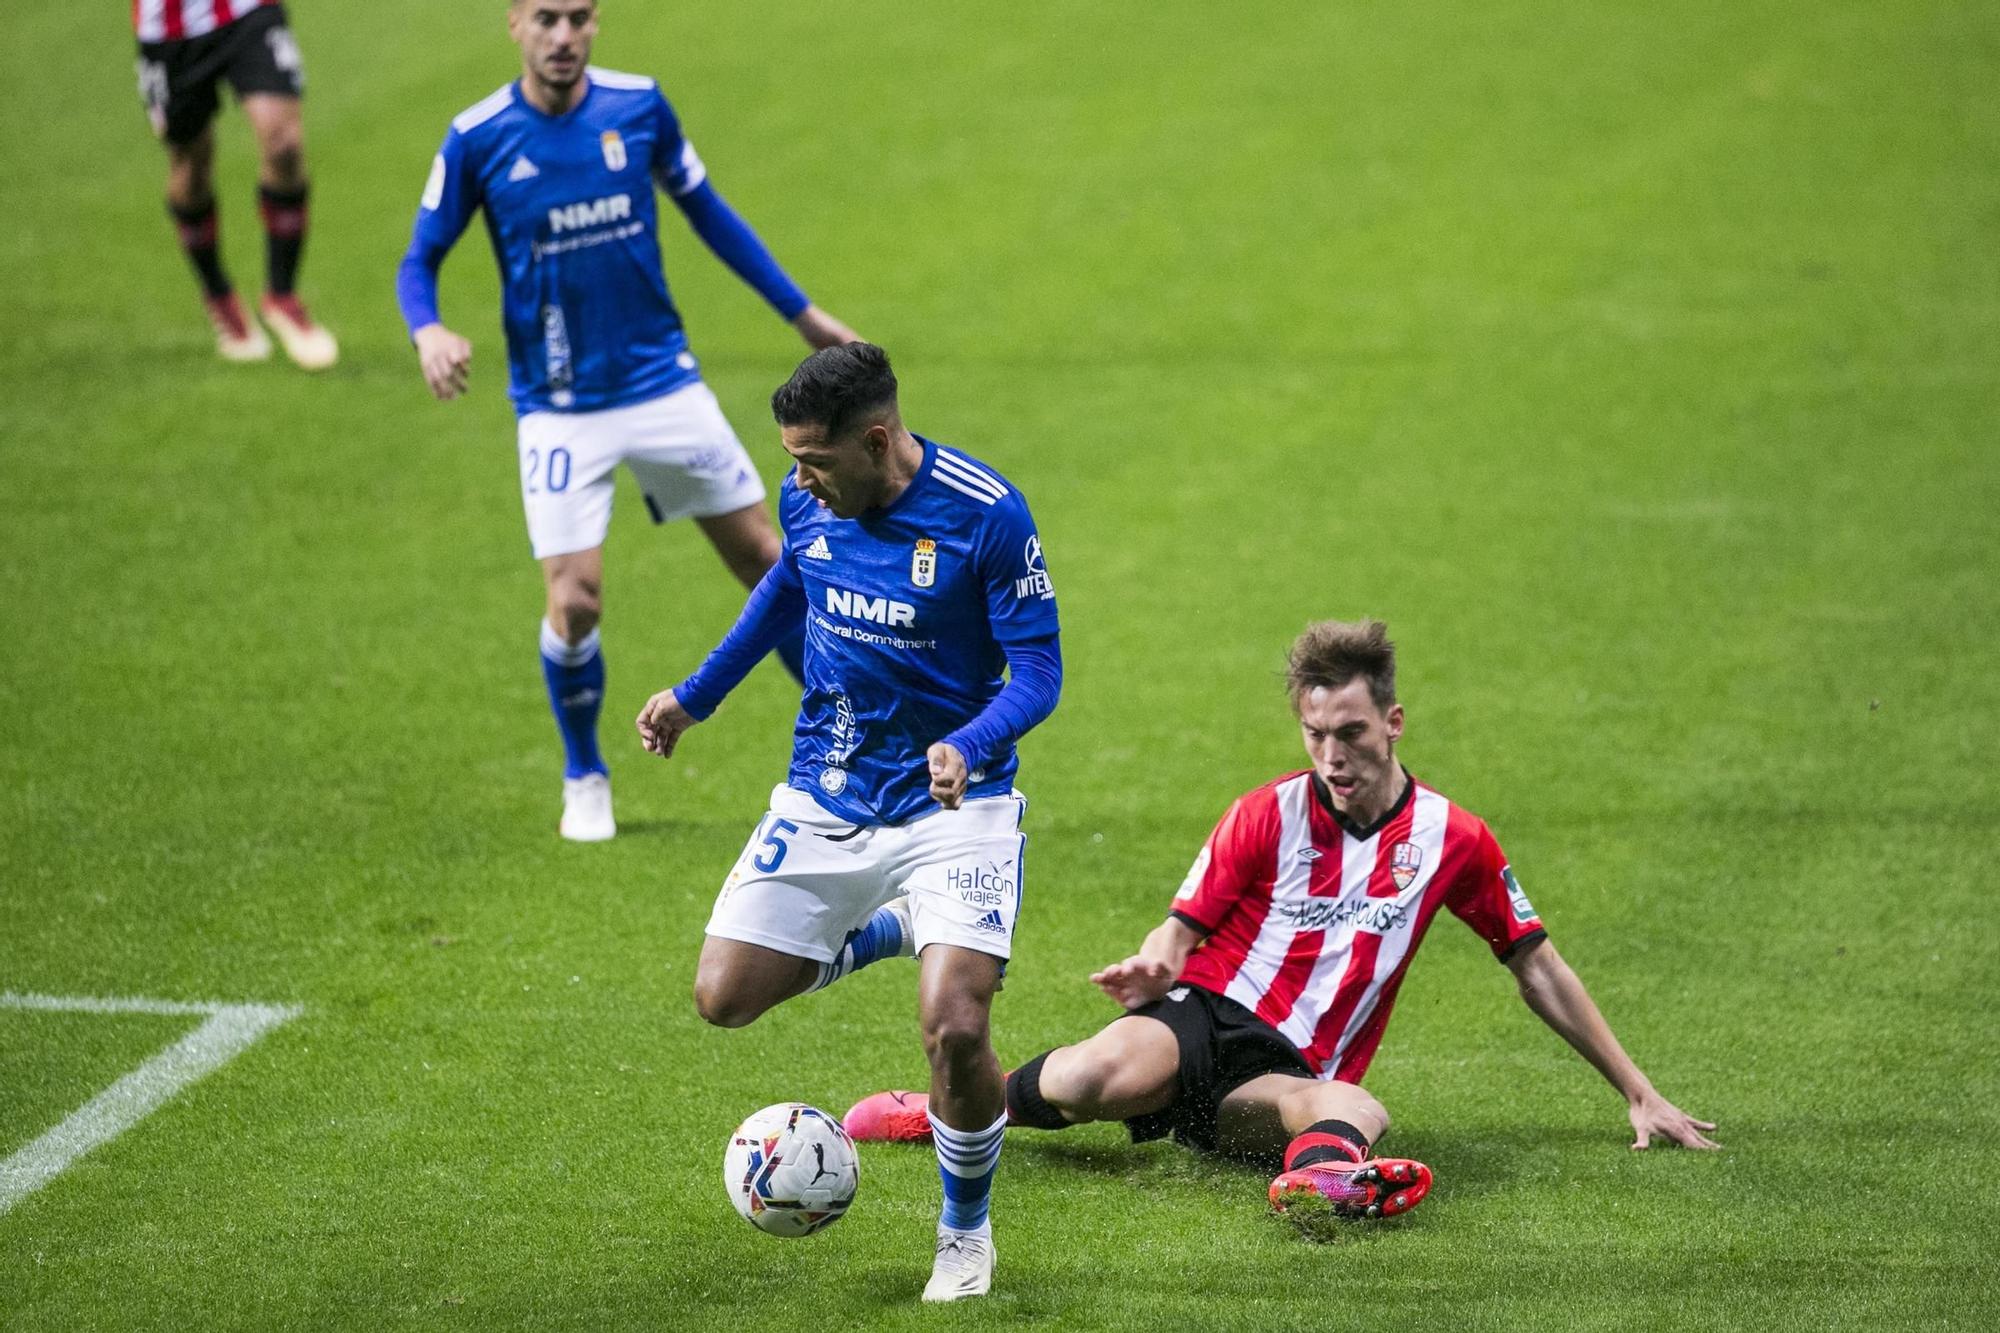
{"x": 1223, "y": 1046}
{"x": 179, "y": 81}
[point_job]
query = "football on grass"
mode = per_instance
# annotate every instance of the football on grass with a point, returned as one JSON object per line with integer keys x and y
{"x": 790, "y": 1169}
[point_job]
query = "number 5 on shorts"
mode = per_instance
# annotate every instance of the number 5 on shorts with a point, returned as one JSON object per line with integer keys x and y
{"x": 771, "y": 838}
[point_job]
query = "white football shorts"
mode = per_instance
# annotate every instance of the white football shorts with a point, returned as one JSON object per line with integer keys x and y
{"x": 686, "y": 459}
{"x": 808, "y": 877}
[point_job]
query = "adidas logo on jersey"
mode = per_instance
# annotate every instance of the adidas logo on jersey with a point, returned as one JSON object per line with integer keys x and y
{"x": 818, "y": 550}
{"x": 523, "y": 170}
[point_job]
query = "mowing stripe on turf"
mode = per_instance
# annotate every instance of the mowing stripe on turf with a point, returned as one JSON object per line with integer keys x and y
{"x": 229, "y": 1030}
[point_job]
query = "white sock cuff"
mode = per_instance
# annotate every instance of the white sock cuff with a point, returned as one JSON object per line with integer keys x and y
{"x": 968, "y": 1152}
{"x": 563, "y": 654}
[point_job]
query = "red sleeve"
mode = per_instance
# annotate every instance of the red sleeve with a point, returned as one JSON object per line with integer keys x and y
{"x": 1241, "y": 850}
{"x": 1488, "y": 898}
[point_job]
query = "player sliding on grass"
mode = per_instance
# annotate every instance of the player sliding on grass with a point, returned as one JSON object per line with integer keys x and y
{"x": 918, "y": 573}
{"x": 1257, "y": 1005}
{"x": 564, "y": 162}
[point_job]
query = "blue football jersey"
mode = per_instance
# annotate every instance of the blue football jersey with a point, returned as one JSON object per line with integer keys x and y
{"x": 907, "y": 612}
{"x": 570, "y": 209}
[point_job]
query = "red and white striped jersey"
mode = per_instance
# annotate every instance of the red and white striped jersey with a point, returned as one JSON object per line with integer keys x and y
{"x": 1312, "y": 928}
{"x": 175, "y": 20}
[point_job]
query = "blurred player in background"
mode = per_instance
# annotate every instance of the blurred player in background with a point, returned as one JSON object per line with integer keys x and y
{"x": 919, "y": 575}
{"x": 564, "y": 162}
{"x": 187, "y": 49}
{"x": 1257, "y": 1005}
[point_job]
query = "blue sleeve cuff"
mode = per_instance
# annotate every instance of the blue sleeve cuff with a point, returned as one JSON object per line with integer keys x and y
{"x": 724, "y": 231}
{"x": 417, "y": 286}
{"x": 1034, "y": 683}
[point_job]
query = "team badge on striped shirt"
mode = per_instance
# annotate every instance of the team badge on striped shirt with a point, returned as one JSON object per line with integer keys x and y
{"x": 614, "y": 150}
{"x": 1404, "y": 862}
{"x": 923, "y": 565}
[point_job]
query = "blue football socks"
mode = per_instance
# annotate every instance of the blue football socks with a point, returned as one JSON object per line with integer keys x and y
{"x": 575, "y": 676}
{"x": 966, "y": 1162}
{"x": 884, "y": 935}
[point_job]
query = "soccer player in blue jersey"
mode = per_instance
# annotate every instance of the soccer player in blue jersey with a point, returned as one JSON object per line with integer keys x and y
{"x": 564, "y": 162}
{"x": 919, "y": 575}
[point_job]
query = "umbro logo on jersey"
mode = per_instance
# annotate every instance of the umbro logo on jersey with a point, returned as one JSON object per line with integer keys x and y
{"x": 991, "y": 921}
{"x": 1309, "y": 853}
{"x": 818, "y": 550}
{"x": 524, "y": 170}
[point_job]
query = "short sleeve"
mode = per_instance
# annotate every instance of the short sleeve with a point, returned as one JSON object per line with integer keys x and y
{"x": 1488, "y": 898}
{"x": 1020, "y": 598}
{"x": 1237, "y": 855}
{"x": 451, "y": 194}
{"x": 677, "y": 168}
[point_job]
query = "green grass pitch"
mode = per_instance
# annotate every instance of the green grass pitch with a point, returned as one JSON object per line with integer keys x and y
{"x": 1639, "y": 364}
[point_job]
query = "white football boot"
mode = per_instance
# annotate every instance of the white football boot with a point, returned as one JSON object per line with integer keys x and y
{"x": 964, "y": 1265}
{"x": 237, "y": 336}
{"x": 586, "y": 815}
{"x": 305, "y": 339}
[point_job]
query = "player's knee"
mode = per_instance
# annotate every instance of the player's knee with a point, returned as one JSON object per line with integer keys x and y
{"x": 723, "y": 1005}
{"x": 574, "y": 610}
{"x": 285, "y": 157}
{"x": 955, "y": 1037}
{"x": 1077, "y": 1087}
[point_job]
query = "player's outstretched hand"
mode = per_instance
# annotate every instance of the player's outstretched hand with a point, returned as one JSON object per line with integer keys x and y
{"x": 661, "y": 723}
{"x": 1136, "y": 981}
{"x": 948, "y": 775}
{"x": 821, "y": 330}
{"x": 446, "y": 359}
{"x": 1655, "y": 1115}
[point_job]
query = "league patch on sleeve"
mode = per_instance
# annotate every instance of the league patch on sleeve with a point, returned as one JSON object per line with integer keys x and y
{"x": 434, "y": 187}
{"x": 1034, "y": 582}
{"x": 1524, "y": 911}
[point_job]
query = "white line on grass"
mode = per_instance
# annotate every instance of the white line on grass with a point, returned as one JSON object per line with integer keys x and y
{"x": 230, "y": 1029}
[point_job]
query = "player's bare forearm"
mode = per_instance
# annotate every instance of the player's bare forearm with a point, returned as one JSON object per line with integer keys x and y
{"x": 1557, "y": 996}
{"x": 1151, "y": 972}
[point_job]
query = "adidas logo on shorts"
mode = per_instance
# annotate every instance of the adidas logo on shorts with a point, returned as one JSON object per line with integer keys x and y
{"x": 991, "y": 921}
{"x": 819, "y": 550}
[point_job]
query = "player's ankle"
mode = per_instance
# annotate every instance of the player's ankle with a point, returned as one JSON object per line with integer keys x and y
{"x": 1326, "y": 1143}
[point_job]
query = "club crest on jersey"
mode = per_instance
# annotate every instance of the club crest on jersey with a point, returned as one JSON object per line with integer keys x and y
{"x": 614, "y": 150}
{"x": 1405, "y": 860}
{"x": 923, "y": 565}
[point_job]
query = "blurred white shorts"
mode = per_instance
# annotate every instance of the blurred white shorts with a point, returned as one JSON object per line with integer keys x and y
{"x": 686, "y": 459}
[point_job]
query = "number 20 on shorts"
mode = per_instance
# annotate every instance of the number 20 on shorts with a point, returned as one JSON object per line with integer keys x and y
{"x": 549, "y": 474}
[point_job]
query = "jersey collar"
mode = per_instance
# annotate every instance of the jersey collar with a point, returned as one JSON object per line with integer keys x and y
{"x": 1353, "y": 830}
{"x": 923, "y": 475}
{"x": 521, "y": 96}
